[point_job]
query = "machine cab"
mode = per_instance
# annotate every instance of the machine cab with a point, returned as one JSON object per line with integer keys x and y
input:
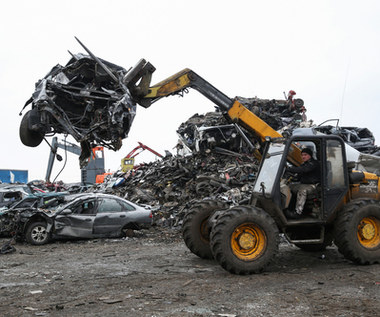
{"x": 272, "y": 186}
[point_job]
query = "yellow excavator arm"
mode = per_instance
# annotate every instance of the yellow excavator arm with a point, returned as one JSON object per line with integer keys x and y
{"x": 146, "y": 95}
{"x": 236, "y": 111}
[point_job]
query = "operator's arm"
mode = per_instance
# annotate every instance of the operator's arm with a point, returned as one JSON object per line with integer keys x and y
{"x": 307, "y": 167}
{"x": 299, "y": 169}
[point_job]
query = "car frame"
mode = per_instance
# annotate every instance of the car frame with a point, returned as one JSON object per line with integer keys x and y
{"x": 83, "y": 100}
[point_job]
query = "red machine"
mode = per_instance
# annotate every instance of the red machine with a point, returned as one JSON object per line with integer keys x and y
{"x": 128, "y": 162}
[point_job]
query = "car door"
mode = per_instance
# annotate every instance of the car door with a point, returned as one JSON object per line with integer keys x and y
{"x": 77, "y": 220}
{"x": 111, "y": 217}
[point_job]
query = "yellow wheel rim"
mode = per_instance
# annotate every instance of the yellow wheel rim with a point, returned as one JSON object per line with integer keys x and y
{"x": 248, "y": 242}
{"x": 369, "y": 232}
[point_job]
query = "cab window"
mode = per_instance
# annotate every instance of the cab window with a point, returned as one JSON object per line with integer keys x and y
{"x": 334, "y": 164}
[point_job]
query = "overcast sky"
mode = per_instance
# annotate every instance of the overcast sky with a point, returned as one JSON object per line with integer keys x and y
{"x": 327, "y": 51}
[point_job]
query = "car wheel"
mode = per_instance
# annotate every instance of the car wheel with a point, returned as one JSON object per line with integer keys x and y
{"x": 37, "y": 234}
{"x": 29, "y": 137}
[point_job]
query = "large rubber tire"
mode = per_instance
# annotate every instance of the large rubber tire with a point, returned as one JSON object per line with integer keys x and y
{"x": 37, "y": 234}
{"x": 29, "y": 137}
{"x": 329, "y": 237}
{"x": 244, "y": 240}
{"x": 357, "y": 231}
{"x": 195, "y": 229}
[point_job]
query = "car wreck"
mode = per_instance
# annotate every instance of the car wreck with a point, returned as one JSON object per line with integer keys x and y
{"x": 95, "y": 101}
{"x": 83, "y": 100}
{"x": 88, "y": 215}
{"x": 10, "y": 194}
{"x": 11, "y": 219}
{"x": 361, "y": 139}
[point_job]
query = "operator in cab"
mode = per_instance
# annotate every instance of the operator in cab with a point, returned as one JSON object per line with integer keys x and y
{"x": 309, "y": 175}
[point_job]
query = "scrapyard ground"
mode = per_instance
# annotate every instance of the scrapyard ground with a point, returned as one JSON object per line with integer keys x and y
{"x": 154, "y": 274}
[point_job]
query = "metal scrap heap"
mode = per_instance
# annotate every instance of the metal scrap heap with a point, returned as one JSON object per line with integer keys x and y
{"x": 213, "y": 162}
{"x": 172, "y": 184}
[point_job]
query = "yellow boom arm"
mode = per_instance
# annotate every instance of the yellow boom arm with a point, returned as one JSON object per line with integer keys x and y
{"x": 185, "y": 79}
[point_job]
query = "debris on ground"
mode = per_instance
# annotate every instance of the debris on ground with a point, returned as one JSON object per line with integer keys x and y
{"x": 7, "y": 247}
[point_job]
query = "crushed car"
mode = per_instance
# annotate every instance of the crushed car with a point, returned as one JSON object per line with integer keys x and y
{"x": 87, "y": 215}
{"x": 9, "y": 216}
{"x": 83, "y": 100}
{"x": 12, "y": 193}
{"x": 361, "y": 139}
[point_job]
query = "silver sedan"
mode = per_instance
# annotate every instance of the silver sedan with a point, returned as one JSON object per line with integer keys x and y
{"x": 89, "y": 215}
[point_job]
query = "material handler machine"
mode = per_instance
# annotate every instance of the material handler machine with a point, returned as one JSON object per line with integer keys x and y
{"x": 128, "y": 162}
{"x": 94, "y": 167}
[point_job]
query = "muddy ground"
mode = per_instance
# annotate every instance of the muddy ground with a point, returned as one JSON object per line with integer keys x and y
{"x": 154, "y": 274}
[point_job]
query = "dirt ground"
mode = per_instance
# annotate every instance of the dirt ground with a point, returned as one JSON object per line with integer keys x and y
{"x": 154, "y": 274}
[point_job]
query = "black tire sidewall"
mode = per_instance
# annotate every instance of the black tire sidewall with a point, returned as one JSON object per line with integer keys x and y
{"x": 350, "y": 245}
{"x": 192, "y": 235}
{"x": 27, "y": 136}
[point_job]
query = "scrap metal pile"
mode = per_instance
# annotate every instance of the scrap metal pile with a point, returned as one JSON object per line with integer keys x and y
{"x": 281, "y": 115}
{"x": 213, "y": 162}
{"x": 171, "y": 185}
